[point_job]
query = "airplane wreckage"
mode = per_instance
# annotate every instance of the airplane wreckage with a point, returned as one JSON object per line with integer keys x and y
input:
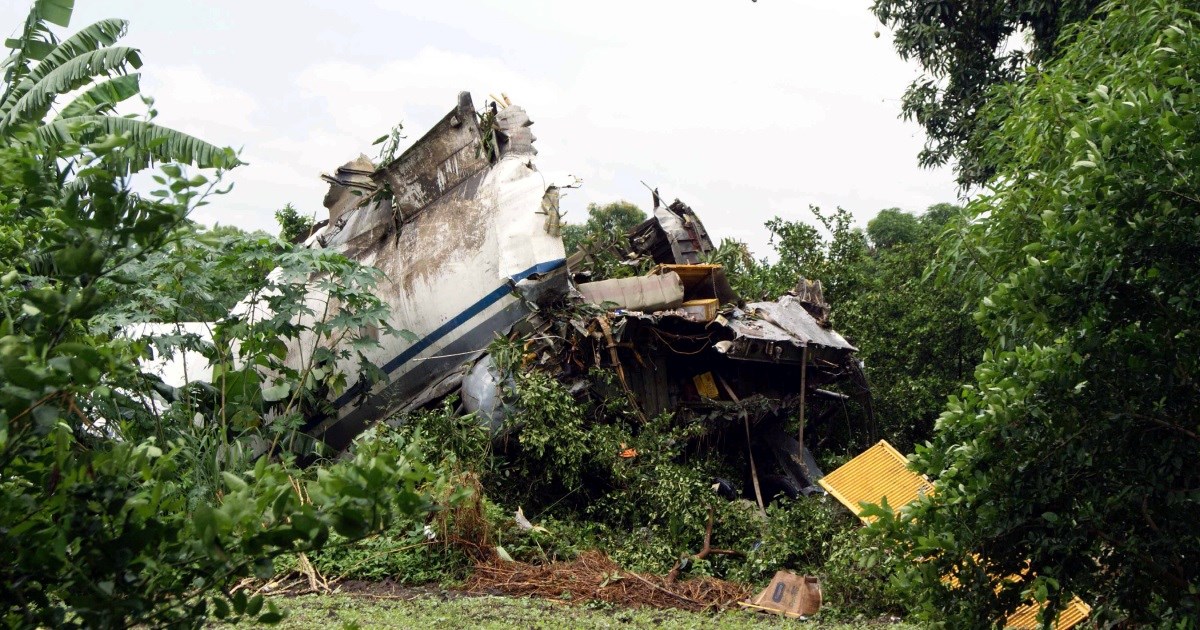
{"x": 469, "y": 242}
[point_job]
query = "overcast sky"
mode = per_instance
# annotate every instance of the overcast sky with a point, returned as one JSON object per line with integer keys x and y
{"x": 745, "y": 110}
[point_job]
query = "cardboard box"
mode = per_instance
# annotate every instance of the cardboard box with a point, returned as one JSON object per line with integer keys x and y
{"x": 701, "y": 310}
{"x": 789, "y": 595}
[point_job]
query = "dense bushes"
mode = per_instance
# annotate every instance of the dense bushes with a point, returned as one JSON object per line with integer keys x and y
{"x": 562, "y": 467}
{"x": 124, "y": 501}
{"x": 1069, "y": 460}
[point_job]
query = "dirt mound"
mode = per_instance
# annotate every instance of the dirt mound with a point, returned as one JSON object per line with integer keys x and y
{"x": 594, "y": 576}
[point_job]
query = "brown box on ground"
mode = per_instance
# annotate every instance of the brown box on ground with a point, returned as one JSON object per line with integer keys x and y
{"x": 789, "y": 595}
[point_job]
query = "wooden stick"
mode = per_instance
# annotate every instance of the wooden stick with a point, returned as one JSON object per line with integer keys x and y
{"x": 672, "y": 594}
{"x": 705, "y": 551}
{"x": 612, "y": 349}
{"x": 750, "y": 450}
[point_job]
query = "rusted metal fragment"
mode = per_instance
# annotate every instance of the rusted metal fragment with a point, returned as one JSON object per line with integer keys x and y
{"x": 812, "y": 296}
{"x": 350, "y": 186}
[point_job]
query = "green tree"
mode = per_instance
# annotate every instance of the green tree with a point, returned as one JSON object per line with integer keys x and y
{"x": 917, "y": 341}
{"x": 801, "y": 250}
{"x": 966, "y": 48}
{"x": 1069, "y": 462}
{"x": 611, "y": 220}
{"x": 891, "y": 227}
{"x": 41, "y": 69}
{"x": 104, "y": 519}
{"x": 124, "y": 501}
{"x": 292, "y": 224}
{"x": 198, "y": 275}
{"x": 837, "y": 261}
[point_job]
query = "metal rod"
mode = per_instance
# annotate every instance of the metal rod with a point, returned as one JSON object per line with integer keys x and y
{"x": 749, "y": 449}
{"x": 803, "y": 396}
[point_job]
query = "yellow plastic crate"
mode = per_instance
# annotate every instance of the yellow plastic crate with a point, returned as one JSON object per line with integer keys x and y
{"x": 1026, "y": 617}
{"x": 880, "y": 471}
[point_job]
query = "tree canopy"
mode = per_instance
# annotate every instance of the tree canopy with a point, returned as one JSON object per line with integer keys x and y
{"x": 292, "y": 224}
{"x": 892, "y": 226}
{"x": 966, "y": 48}
{"x": 1069, "y": 462}
{"x": 617, "y": 217}
{"x": 41, "y": 69}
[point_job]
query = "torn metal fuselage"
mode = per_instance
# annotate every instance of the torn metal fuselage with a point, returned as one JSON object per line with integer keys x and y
{"x": 465, "y": 247}
{"x": 466, "y": 232}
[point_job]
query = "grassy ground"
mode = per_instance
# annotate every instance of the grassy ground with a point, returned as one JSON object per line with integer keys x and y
{"x": 433, "y": 610}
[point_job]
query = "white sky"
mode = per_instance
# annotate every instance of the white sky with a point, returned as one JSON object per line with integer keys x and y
{"x": 744, "y": 110}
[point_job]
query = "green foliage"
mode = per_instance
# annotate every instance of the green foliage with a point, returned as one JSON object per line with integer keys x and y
{"x": 801, "y": 251}
{"x": 99, "y": 522}
{"x": 551, "y": 431}
{"x": 389, "y": 145}
{"x": 123, "y": 501}
{"x": 464, "y": 441}
{"x": 397, "y": 555}
{"x": 1073, "y": 450}
{"x": 293, "y": 226}
{"x": 609, "y": 221}
{"x": 561, "y": 464}
{"x": 412, "y": 549}
{"x": 915, "y": 338}
{"x": 966, "y": 48}
{"x": 198, "y": 275}
{"x": 41, "y": 69}
{"x": 891, "y": 227}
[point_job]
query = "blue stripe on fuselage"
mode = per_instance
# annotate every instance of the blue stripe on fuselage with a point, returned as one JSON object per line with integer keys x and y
{"x": 454, "y": 322}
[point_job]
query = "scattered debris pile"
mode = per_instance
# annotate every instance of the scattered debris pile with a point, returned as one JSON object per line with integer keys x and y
{"x": 467, "y": 231}
{"x": 594, "y": 576}
{"x": 681, "y": 341}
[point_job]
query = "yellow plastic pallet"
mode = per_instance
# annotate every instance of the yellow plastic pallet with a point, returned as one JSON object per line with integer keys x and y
{"x": 878, "y": 472}
{"x": 1026, "y": 617}
{"x": 882, "y": 472}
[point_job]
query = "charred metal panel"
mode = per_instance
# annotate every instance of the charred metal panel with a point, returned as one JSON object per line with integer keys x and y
{"x": 674, "y": 235}
{"x": 449, "y": 154}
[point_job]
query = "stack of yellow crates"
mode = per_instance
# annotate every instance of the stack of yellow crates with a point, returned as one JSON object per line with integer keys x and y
{"x": 882, "y": 472}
